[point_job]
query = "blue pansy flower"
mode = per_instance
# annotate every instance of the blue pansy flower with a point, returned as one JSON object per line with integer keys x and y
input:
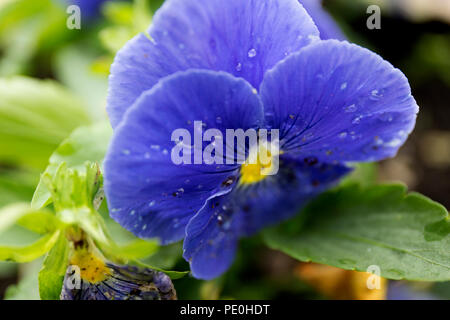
{"x": 241, "y": 64}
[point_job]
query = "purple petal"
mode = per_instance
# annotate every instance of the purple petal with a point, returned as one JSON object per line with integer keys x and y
{"x": 147, "y": 193}
{"x": 339, "y": 102}
{"x": 212, "y": 235}
{"x": 244, "y": 38}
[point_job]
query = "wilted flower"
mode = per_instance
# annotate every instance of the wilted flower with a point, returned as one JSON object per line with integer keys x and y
{"x": 89, "y": 277}
{"x": 248, "y": 64}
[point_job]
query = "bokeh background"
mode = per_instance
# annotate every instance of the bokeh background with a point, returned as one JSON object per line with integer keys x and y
{"x": 41, "y": 58}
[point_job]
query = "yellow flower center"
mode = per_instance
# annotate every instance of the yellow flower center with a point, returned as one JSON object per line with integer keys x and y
{"x": 92, "y": 268}
{"x": 260, "y": 164}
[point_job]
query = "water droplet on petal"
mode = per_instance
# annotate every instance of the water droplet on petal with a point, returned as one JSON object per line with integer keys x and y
{"x": 344, "y": 86}
{"x": 394, "y": 143}
{"x": 342, "y": 135}
{"x": 357, "y": 120}
{"x": 239, "y": 67}
{"x": 386, "y": 117}
{"x": 375, "y": 95}
{"x": 152, "y": 203}
{"x": 252, "y": 53}
{"x": 350, "y": 108}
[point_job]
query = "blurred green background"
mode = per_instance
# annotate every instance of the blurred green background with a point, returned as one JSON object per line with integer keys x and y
{"x": 53, "y": 80}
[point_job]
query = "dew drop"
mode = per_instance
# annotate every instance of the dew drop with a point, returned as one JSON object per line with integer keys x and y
{"x": 239, "y": 67}
{"x": 344, "y": 86}
{"x": 252, "y": 53}
{"x": 350, "y": 108}
{"x": 165, "y": 152}
{"x": 386, "y": 117}
{"x": 132, "y": 213}
{"x": 394, "y": 143}
{"x": 357, "y": 120}
{"x": 343, "y": 135}
{"x": 152, "y": 203}
{"x": 155, "y": 147}
{"x": 375, "y": 95}
{"x": 226, "y": 225}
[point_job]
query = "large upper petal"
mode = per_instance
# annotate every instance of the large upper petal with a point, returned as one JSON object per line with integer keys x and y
{"x": 242, "y": 37}
{"x": 212, "y": 235}
{"x": 147, "y": 193}
{"x": 327, "y": 27}
{"x": 339, "y": 102}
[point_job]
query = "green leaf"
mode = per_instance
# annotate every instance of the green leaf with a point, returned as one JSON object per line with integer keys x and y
{"x": 35, "y": 116}
{"x": 166, "y": 257}
{"x": 406, "y": 235}
{"x": 39, "y": 221}
{"x": 84, "y": 144}
{"x": 51, "y": 276}
{"x": 79, "y": 75}
{"x": 364, "y": 174}
{"x": 17, "y": 186}
{"x": 30, "y": 252}
{"x": 136, "y": 249}
{"x": 29, "y": 28}
{"x": 174, "y": 275}
{"x": 73, "y": 192}
{"x": 10, "y": 214}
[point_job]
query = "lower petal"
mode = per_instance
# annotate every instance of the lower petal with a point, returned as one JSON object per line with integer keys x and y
{"x": 212, "y": 235}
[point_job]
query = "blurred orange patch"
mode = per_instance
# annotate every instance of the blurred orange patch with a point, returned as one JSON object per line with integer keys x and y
{"x": 340, "y": 284}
